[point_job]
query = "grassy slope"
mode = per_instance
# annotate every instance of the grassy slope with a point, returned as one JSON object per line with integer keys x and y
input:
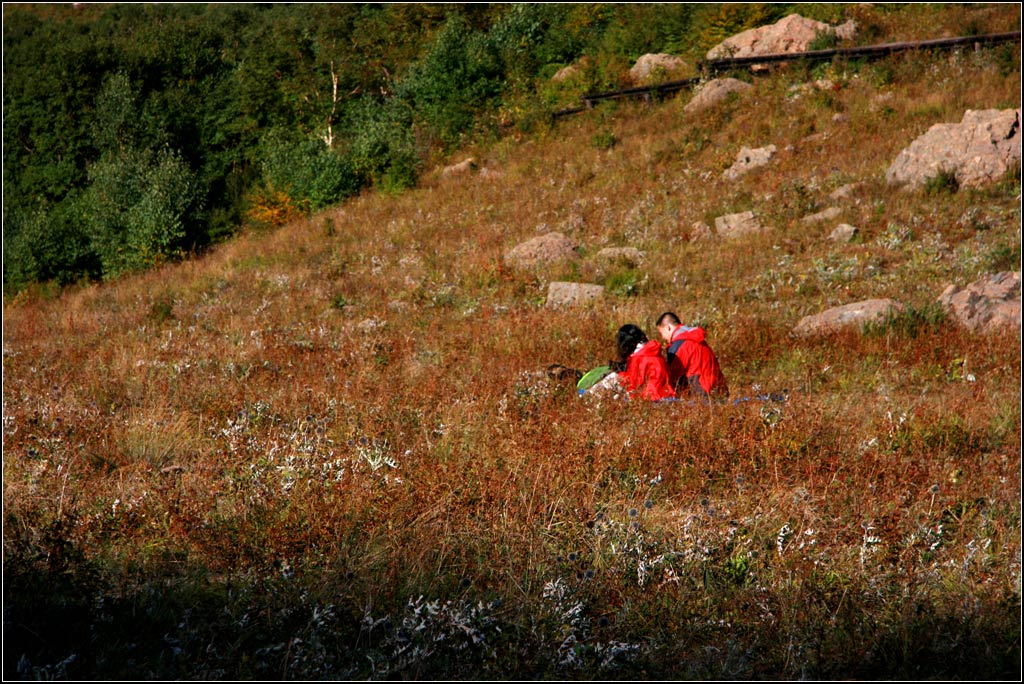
{"x": 337, "y": 417}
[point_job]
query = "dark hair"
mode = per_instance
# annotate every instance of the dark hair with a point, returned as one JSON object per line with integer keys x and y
{"x": 669, "y": 317}
{"x": 627, "y": 340}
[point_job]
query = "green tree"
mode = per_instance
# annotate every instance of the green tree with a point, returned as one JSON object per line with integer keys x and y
{"x": 460, "y": 76}
{"x": 136, "y": 206}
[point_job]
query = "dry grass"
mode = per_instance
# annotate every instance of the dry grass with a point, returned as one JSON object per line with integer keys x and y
{"x": 328, "y": 450}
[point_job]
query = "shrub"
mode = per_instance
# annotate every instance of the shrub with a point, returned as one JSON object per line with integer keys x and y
{"x": 459, "y": 77}
{"x": 945, "y": 181}
{"x": 136, "y": 206}
{"x": 604, "y": 140}
{"x": 383, "y": 148}
{"x": 307, "y": 170}
{"x": 47, "y": 245}
{"x": 910, "y": 322}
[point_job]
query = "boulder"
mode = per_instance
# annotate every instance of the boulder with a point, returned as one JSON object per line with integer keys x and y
{"x": 978, "y": 150}
{"x": 749, "y": 159}
{"x": 985, "y": 304}
{"x": 565, "y": 73}
{"x": 844, "y": 191}
{"x": 713, "y": 92}
{"x": 631, "y": 256}
{"x": 650, "y": 66}
{"x": 700, "y": 231}
{"x": 790, "y": 34}
{"x": 823, "y": 215}
{"x": 736, "y": 225}
{"x": 572, "y": 294}
{"x": 844, "y": 232}
{"x": 546, "y": 248}
{"x": 569, "y": 72}
{"x": 463, "y": 167}
{"x": 854, "y": 315}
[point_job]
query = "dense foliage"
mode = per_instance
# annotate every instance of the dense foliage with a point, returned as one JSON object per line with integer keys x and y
{"x": 203, "y": 117}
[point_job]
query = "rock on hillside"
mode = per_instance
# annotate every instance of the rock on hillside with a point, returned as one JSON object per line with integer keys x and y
{"x": 651, "y": 65}
{"x": 985, "y": 304}
{"x": 713, "y": 92}
{"x": 562, "y": 293}
{"x": 790, "y": 34}
{"x": 854, "y": 315}
{"x": 980, "y": 149}
{"x": 543, "y": 249}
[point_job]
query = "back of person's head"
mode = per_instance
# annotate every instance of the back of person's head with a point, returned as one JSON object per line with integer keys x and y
{"x": 627, "y": 340}
{"x": 667, "y": 317}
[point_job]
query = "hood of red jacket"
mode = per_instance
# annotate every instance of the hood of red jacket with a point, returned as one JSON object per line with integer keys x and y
{"x": 689, "y": 334}
{"x": 649, "y": 348}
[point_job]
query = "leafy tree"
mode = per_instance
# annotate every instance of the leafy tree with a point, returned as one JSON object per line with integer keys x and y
{"x": 460, "y": 76}
{"x": 383, "y": 149}
{"x": 44, "y": 245}
{"x": 136, "y": 207}
{"x": 307, "y": 170}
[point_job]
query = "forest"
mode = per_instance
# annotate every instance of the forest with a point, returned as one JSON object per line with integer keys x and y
{"x": 138, "y": 133}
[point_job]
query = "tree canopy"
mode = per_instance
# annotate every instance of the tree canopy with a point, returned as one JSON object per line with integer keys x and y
{"x": 135, "y": 133}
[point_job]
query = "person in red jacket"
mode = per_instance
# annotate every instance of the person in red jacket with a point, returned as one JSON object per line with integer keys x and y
{"x": 642, "y": 370}
{"x": 692, "y": 365}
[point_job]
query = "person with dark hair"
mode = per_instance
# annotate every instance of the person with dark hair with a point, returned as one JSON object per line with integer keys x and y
{"x": 640, "y": 369}
{"x": 692, "y": 365}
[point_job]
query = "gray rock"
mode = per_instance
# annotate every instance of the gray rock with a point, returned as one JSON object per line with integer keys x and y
{"x": 985, "y": 304}
{"x": 628, "y": 255}
{"x": 844, "y": 191}
{"x": 790, "y": 34}
{"x": 463, "y": 167}
{"x": 713, "y": 92}
{"x": 572, "y": 294}
{"x": 543, "y": 249}
{"x": 700, "y": 231}
{"x": 844, "y": 232}
{"x": 978, "y": 150}
{"x": 823, "y": 215}
{"x": 748, "y": 159}
{"x": 650, "y": 66}
{"x": 854, "y": 315}
{"x": 566, "y": 73}
{"x": 736, "y": 225}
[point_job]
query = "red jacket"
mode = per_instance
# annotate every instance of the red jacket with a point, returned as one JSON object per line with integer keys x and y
{"x": 689, "y": 355}
{"x": 646, "y": 374}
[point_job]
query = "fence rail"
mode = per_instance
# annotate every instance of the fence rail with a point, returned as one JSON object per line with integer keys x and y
{"x": 714, "y": 66}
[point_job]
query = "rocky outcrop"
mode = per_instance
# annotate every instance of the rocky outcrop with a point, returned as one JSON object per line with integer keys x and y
{"x": 567, "y": 73}
{"x": 978, "y": 150}
{"x": 844, "y": 232}
{"x": 651, "y": 66}
{"x": 854, "y": 315}
{"x": 844, "y": 191}
{"x": 790, "y": 34}
{"x": 572, "y": 294}
{"x": 463, "y": 167}
{"x": 733, "y": 226}
{"x": 826, "y": 214}
{"x": 713, "y": 92}
{"x": 985, "y": 304}
{"x": 749, "y": 159}
{"x": 540, "y": 250}
{"x": 630, "y": 256}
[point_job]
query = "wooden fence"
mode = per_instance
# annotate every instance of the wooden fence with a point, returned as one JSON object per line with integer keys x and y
{"x": 714, "y": 66}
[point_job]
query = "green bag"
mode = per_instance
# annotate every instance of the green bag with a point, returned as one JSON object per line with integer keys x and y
{"x": 592, "y": 377}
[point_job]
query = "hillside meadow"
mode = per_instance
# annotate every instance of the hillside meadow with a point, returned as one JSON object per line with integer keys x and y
{"x": 330, "y": 449}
